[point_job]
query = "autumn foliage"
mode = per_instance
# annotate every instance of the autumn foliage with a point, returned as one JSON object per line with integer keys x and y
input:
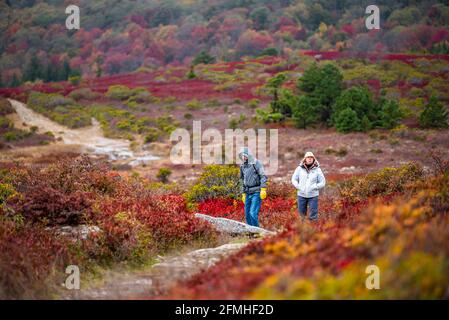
{"x": 403, "y": 231}
{"x": 133, "y": 223}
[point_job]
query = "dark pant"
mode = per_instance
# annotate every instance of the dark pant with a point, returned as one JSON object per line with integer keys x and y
{"x": 252, "y": 207}
{"x": 312, "y": 203}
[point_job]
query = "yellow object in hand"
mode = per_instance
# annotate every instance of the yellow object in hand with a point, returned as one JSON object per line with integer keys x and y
{"x": 243, "y": 197}
{"x": 263, "y": 193}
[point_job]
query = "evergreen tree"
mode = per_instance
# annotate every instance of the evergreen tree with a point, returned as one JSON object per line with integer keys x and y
{"x": 357, "y": 99}
{"x": 15, "y": 81}
{"x": 390, "y": 114}
{"x": 347, "y": 120}
{"x": 274, "y": 85}
{"x": 51, "y": 73}
{"x": 365, "y": 124}
{"x": 99, "y": 62}
{"x": 434, "y": 115}
{"x": 269, "y": 52}
{"x": 304, "y": 110}
{"x": 65, "y": 71}
{"x": 34, "y": 70}
{"x": 323, "y": 84}
{"x": 203, "y": 57}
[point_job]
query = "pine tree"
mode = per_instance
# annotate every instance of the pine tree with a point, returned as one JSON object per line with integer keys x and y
{"x": 347, "y": 120}
{"x": 365, "y": 124}
{"x": 274, "y": 85}
{"x": 322, "y": 83}
{"x": 390, "y": 114}
{"x": 304, "y": 112}
{"x": 434, "y": 115}
{"x": 203, "y": 57}
{"x": 15, "y": 81}
{"x": 99, "y": 71}
{"x": 99, "y": 62}
{"x": 51, "y": 73}
{"x": 34, "y": 70}
{"x": 66, "y": 70}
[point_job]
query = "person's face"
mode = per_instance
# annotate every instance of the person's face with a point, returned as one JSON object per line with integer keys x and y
{"x": 244, "y": 158}
{"x": 309, "y": 160}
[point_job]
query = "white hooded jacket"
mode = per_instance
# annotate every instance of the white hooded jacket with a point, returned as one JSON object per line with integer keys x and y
{"x": 308, "y": 182}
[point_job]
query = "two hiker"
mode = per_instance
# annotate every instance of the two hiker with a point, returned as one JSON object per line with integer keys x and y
{"x": 308, "y": 179}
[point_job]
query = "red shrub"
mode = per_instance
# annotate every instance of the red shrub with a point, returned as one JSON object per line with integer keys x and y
{"x": 164, "y": 217}
{"x": 223, "y": 208}
{"x": 62, "y": 193}
{"x": 28, "y": 256}
{"x": 277, "y": 213}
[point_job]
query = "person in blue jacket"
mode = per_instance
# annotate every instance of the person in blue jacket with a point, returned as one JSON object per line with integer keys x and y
{"x": 308, "y": 179}
{"x": 253, "y": 185}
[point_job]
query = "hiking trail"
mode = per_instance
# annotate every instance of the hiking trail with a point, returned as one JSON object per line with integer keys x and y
{"x": 91, "y": 139}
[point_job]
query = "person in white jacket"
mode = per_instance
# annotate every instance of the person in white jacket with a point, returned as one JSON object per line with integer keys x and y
{"x": 308, "y": 179}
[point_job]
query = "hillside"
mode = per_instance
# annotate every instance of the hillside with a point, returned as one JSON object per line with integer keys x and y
{"x": 93, "y": 121}
{"x": 124, "y": 36}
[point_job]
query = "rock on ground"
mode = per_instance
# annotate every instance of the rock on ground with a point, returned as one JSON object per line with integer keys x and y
{"x": 233, "y": 227}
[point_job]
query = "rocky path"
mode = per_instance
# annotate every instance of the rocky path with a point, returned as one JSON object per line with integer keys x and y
{"x": 157, "y": 279}
{"x": 90, "y": 139}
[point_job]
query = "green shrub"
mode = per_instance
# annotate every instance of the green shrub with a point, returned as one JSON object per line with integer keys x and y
{"x": 434, "y": 115}
{"x": 163, "y": 174}
{"x": 304, "y": 111}
{"x": 267, "y": 116}
{"x": 6, "y": 191}
{"x": 234, "y": 123}
{"x": 359, "y": 100}
{"x": 191, "y": 74}
{"x": 5, "y": 123}
{"x": 125, "y": 124}
{"x": 83, "y": 93}
{"x": 253, "y": 103}
{"x": 216, "y": 181}
{"x": 60, "y": 109}
{"x": 193, "y": 105}
{"x": 324, "y": 84}
{"x": 166, "y": 124}
{"x": 11, "y": 136}
{"x": 383, "y": 182}
{"x": 390, "y": 114}
{"x": 347, "y": 121}
{"x": 152, "y": 135}
{"x": 75, "y": 80}
{"x": 120, "y": 92}
{"x": 140, "y": 96}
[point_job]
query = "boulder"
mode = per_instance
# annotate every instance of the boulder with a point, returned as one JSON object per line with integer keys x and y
{"x": 233, "y": 227}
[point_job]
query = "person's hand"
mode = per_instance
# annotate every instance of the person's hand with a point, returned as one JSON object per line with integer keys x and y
{"x": 263, "y": 193}
{"x": 243, "y": 197}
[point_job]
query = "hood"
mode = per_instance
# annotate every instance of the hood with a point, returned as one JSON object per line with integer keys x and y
{"x": 244, "y": 151}
{"x": 315, "y": 163}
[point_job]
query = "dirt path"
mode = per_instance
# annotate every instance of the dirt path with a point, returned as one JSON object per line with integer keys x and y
{"x": 156, "y": 280}
{"x": 90, "y": 139}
